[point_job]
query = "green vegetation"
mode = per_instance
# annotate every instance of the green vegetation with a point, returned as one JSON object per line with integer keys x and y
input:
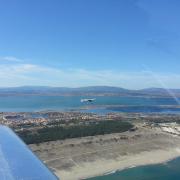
{"x": 59, "y": 133}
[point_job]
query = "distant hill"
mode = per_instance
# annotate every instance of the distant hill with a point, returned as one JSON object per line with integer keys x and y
{"x": 102, "y": 89}
{"x": 159, "y": 91}
{"x": 90, "y": 90}
{"x": 46, "y": 89}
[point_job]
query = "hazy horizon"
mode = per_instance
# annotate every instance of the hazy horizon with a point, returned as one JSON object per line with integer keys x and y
{"x": 79, "y": 87}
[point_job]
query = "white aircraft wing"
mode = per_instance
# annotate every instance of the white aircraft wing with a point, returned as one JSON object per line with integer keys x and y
{"x": 17, "y": 161}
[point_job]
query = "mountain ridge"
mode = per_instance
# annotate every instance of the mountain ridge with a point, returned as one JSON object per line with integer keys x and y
{"x": 104, "y": 90}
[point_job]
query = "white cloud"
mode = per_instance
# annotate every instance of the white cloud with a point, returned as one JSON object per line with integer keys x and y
{"x": 19, "y": 74}
{"x": 10, "y": 59}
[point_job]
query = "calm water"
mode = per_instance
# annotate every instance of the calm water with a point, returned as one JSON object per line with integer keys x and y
{"x": 38, "y": 103}
{"x": 167, "y": 171}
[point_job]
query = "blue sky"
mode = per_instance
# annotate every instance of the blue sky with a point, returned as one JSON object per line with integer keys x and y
{"x": 127, "y": 43}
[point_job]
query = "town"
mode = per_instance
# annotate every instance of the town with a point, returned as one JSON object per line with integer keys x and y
{"x": 24, "y": 122}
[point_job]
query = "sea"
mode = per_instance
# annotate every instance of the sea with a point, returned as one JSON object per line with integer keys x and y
{"x": 165, "y": 171}
{"x": 68, "y": 103}
{"x": 102, "y": 104}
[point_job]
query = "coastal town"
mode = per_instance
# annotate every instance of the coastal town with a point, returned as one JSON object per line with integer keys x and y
{"x": 169, "y": 123}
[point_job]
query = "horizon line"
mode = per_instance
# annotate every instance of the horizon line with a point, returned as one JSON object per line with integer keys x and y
{"x": 70, "y": 87}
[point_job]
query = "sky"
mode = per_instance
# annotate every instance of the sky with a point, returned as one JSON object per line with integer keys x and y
{"x": 133, "y": 44}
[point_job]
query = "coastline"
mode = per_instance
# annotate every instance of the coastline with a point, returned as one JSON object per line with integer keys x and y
{"x": 104, "y": 167}
{"x": 92, "y": 156}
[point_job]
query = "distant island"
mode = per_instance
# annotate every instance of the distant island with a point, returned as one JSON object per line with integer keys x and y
{"x": 88, "y": 91}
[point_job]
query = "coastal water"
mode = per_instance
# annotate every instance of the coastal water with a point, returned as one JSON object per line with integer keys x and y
{"x": 40, "y": 103}
{"x": 166, "y": 171}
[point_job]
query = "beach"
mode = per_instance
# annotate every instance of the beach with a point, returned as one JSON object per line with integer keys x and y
{"x": 102, "y": 167}
{"x": 81, "y": 158}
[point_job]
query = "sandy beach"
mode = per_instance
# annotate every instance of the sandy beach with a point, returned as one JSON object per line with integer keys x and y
{"x": 101, "y": 167}
{"x": 75, "y": 159}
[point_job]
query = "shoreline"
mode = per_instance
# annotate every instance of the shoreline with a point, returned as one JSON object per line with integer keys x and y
{"x": 130, "y": 167}
{"x": 88, "y": 157}
{"x": 105, "y": 167}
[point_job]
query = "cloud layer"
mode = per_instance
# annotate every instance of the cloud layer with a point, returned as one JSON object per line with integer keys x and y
{"x": 20, "y": 74}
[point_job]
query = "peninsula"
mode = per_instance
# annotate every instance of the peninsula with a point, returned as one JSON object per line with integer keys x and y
{"x": 74, "y": 144}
